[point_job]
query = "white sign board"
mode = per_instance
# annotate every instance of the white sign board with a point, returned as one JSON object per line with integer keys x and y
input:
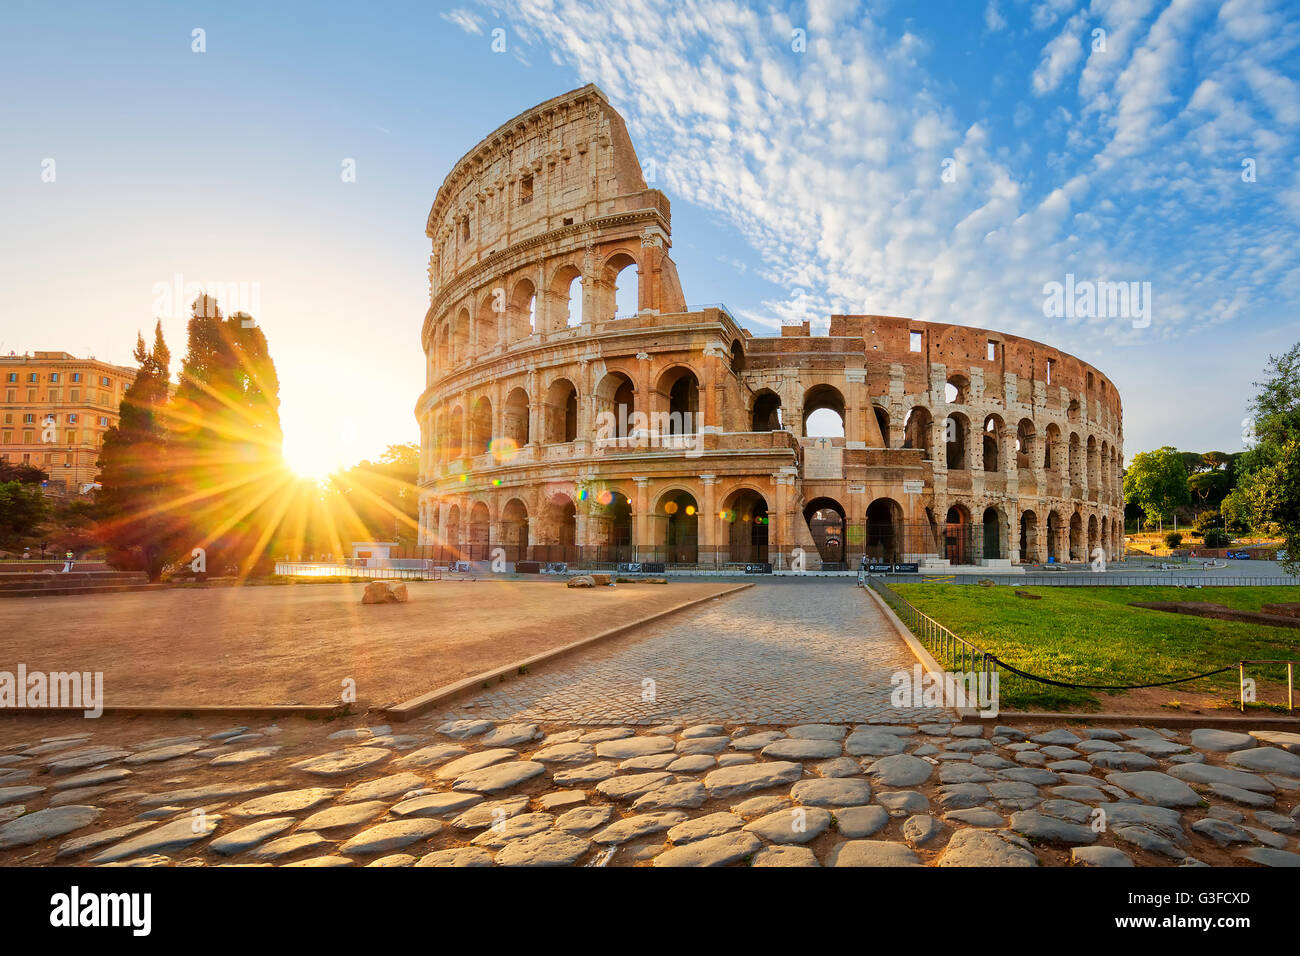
{"x": 913, "y": 487}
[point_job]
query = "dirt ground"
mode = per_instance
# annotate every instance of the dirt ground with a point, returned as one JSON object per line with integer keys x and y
{"x": 296, "y": 644}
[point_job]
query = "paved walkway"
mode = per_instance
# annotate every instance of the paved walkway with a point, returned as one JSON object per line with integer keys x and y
{"x": 773, "y": 654}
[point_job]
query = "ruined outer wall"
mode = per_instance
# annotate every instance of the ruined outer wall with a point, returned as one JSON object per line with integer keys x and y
{"x": 515, "y": 391}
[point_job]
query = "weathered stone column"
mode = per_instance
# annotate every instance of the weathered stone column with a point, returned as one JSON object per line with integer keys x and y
{"x": 641, "y": 516}
{"x": 708, "y": 520}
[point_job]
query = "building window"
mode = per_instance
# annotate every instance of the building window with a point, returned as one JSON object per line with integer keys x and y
{"x": 525, "y": 190}
{"x": 914, "y": 341}
{"x": 13, "y": 376}
{"x": 29, "y": 419}
{"x": 104, "y": 381}
{"x": 76, "y": 377}
{"x": 103, "y": 423}
{"x": 464, "y": 229}
{"x": 54, "y": 376}
{"x": 1051, "y": 363}
{"x": 33, "y": 377}
{"x": 72, "y": 419}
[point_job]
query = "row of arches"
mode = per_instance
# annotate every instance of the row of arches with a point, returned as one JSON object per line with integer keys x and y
{"x": 614, "y": 411}
{"x": 567, "y": 526}
{"x": 505, "y": 314}
{"x": 1059, "y": 535}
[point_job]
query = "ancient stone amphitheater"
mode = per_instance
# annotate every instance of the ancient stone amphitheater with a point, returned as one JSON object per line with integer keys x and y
{"x": 558, "y": 430}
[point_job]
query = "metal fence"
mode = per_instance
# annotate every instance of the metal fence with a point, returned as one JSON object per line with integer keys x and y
{"x": 350, "y": 568}
{"x": 952, "y": 652}
{"x": 1102, "y": 579}
{"x": 955, "y": 653}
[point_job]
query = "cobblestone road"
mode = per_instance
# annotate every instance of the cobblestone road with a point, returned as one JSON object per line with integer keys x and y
{"x": 772, "y": 654}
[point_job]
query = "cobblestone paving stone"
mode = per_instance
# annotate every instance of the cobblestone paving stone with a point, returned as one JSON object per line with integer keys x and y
{"x": 771, "y": 742}
{"x": 773, "y": 654}
{"x": 849, "y": 810}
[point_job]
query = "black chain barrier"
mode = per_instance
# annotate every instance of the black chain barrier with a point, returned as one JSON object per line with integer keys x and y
{"x": 1056, "y": 683}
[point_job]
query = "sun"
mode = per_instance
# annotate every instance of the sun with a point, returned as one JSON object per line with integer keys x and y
{"x": 311, "y": 460}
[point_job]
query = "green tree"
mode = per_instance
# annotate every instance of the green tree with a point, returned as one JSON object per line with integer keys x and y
{"x": 136, "y": 507}
{"x": 1274, "y": 494}
{"x": 1269, "y": 471}
{"x": 1157, "y": 481}
{"x": 1209, "y": 488}
{"x": 23, "y": 506}
{"x": 227, "y": 441}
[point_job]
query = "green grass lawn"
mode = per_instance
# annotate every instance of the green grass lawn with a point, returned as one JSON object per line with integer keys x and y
{"x": 1090, "y": 636}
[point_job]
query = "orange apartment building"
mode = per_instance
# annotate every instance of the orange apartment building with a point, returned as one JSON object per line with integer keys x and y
{"x": 54, "y": 411}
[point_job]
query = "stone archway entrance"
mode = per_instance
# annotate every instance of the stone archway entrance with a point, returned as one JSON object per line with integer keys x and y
{"x": 827, "y": 522}
{"x": 745, "y": 516}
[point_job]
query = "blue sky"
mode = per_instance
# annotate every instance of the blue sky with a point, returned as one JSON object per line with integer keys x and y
{"x": 803, "y": 182}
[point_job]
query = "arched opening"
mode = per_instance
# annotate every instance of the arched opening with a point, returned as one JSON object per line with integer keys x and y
{"x": 1094, "y": 538}
{"x": 882, "y": 422}
{"x": 1103, "y": 475}
{"x": 1072, "y": 413}
{"x": 566, "y": 296}
{"x": 615, "y": 407}
{"x": 1051, "y": 446}
{"x": 956, "y": 391}
{"x": 827, "y": 523}
{"x": 1053, "y": 536}
{"x": 956, "y": 438}
{"x": 1092, "y": 464}
{"x": 443, "y": 339}
{"x": 992, "y": 533}
{"x": 451, "y": 534}
{"x": 561, "y": 414}
{"x": 745, "y": 515}
{"x": 823, "y": 412}
{"x": 488, "y": 325}
{"x": 624, "y": 280}
{"x": 559, "y": 529}
{"x": 992, "y": 442}
{"x": 523, "y": 311}
{"x": 514, "y": 530}
{"x": 480, "y": 427}
{"x": 515, "y": 434}
{"x": 681, "y": 531}
{"x": 612, "y": 517}
{"x": 460, "y": 340}
{"x": 737, "y": 357}
{"x": 1029, "y": 536}
{"x": 916, "y": 430}
{"x": 1104, "y": 541}
{"x": 957, "y": 544}
{"x": 1025, "y": 444}
{"x": 1076, "y": 460}
{"x": 885, "y": 531}
{"x": 679, "y": 391}
{"x": 767, "y": 412}
{"x": 1076, "y": 537}
{"x": 454, "y": 444}
{"x": 480, "y": 529}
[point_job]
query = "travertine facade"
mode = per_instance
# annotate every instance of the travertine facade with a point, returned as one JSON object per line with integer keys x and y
{"x": 566, "y": 432}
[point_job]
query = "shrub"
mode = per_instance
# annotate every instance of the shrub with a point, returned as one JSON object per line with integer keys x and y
{"x": 1173, "y": 539}
{"x": 1217, "y": 538}
{"x": 1207, "y": 520}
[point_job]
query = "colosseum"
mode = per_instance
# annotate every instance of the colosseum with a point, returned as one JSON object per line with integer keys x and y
{"x": 560, "y": 431}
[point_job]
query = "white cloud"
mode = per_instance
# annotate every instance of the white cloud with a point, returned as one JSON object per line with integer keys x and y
{"x": 993, "y": 19}
{"x": 828, "y": 164}
{"x": 467, "y": 21}
{"x": 1059, "y": 58}
{"x": 1047, "y": 12}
